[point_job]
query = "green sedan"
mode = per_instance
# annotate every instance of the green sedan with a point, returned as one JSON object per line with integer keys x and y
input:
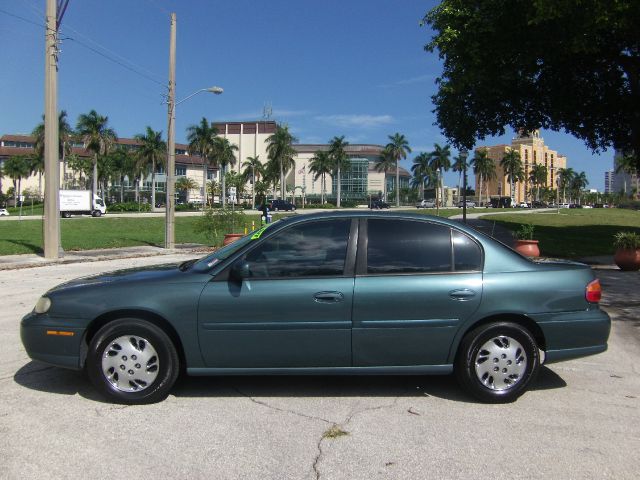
{"x": 330, "y": 293}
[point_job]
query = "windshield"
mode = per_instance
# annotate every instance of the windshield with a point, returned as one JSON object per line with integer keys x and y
{"x": 208, "y": 262}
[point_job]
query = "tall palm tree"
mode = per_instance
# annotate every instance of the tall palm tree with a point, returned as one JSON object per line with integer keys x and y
{"x": 65, "y": 138}
{"x": 200, "y": 138}
{"x": 511, "y": 164}
{"x": 423, "y": 174}
{"x": 320, "y": 166}
{"x": 98, "y": 137}
{"x": 484, "y": 168}
{"x": 36, "y": 166}
{"x": 152, "y": 151}
{"x": 281, "y": 152}
{"x": 16, "y": 168}
{"x": 222, "y": 153}
{"x": 184, "y": 184}
{"x": 340, "y": 161}
{"x": 398, "y": 147}
{"x": 253, "y": 169}
{"x": 122, "y": 166}
{"x": 440, "y": 161}
{"x": 538, "y": 177}
{"x": 383, "y": 164}
{"x": 627, "y": 164}
{"x": 578, "y": 183}
{"x": 459, "y": 166}
{"x": 565, "y": 176}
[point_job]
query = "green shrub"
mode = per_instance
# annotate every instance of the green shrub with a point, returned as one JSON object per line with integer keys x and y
{"x": 129, "y": 207}
{"x": 525, "y": 232}
{"x": 217, "y": 222}
{"x": 626, "y": 240}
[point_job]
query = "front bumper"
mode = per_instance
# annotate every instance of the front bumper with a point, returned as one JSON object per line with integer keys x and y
{"x": 51, "y": 341}
{"x": 574, "y": 334}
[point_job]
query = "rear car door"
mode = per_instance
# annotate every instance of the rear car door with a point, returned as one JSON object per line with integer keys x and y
{"x": 416, "y": 282}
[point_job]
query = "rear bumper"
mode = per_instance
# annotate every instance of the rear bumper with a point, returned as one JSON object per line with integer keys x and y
{"x": 574, "y": 334}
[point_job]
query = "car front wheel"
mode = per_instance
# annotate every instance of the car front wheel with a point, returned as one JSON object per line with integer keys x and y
{"x": 132, "y": 361}
{"x": 497, "y": 362}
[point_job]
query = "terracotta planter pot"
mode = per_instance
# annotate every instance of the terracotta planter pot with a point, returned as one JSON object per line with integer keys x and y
{"x": 627, "y": 259}
{"x": 528, "y": 248}
{"x": 231, "y": 237}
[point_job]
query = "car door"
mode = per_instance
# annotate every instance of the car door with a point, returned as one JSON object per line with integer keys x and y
{"x": 416, "y": 282}
{"x": 293, "y": 309}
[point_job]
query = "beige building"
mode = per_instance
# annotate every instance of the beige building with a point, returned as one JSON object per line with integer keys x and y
{"x": 532, "y": 150}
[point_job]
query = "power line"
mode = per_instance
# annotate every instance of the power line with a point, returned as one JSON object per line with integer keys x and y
{"x": 22, "y": 18}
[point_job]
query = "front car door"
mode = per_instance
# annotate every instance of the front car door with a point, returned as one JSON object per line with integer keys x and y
{"x": 294, "y": 308}
{"x": 416, "y": 282}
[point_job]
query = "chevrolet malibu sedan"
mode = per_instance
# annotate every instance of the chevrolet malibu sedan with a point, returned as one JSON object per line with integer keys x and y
{"x": 331, "y": 293}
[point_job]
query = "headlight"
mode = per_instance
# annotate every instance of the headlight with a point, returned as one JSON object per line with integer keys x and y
{"x": 42, "y": 305}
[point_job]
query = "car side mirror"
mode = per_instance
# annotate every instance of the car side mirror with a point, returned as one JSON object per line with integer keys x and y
{"x": 239, "y": 271}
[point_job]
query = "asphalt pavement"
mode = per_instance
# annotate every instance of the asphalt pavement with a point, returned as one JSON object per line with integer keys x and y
{"x": 581, "y": 420}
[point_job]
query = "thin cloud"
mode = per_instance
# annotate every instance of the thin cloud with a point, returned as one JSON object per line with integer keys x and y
{"x": 410, "y": 81}
{"x": 362, "y": 121}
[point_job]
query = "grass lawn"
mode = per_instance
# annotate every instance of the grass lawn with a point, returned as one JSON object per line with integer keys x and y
{"x": 91, "y": 233}
{"x": 574, "y": 233}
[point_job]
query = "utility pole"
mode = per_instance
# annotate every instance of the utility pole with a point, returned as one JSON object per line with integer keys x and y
{"x": 51, "y": 232}
{"x": 169, "y": 234}
{"x": 463, "y": 154}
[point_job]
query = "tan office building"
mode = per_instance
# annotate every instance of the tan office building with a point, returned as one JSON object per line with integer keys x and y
{"x": 532, "y": 151}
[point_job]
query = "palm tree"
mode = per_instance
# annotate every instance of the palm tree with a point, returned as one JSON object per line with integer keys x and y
{"x": 423, "y": 174}
{"x": 152, "y": 151}
{"x": 459, "y": 166}
{"x": 36, "y": 166}
{"x": 184, "y": 184}
{"x": 484, "y": 168}
{"x": 281, "y": 152}
{"x": 16, "y": 168}
{"x": 578, "y": 183}
{"x": 340, "y": 162}
{"x": 253, "y": 169}
{"x": 626, "y": 164}
{"x": 439, "y": 160}
{"x": 398, "y": 148}
{"x": 122, "y": 166}
{"x": 321, "y": 166}
{"x": 565, "y": 176}
{"x": 385, "y": 163}
{"x": 222, "y": 154}
{"x": 511, "y": 164}
{"x": 200, "y": 138}
{"x": 65, "y": 137}
{"x": 538, "y": 177}
{"x": 94, "y": 131}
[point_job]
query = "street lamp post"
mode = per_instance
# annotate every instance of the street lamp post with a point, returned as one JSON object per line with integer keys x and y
{"x": 169, "y": 233}
{"x": 169, "y": 238}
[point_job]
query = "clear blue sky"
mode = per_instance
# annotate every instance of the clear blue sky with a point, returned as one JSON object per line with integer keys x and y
{"x": 349, "y": 67}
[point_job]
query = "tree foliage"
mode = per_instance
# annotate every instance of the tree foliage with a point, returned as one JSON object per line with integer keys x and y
{"x": 555, "y": 64}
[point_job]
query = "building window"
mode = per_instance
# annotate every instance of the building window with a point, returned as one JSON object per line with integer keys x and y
{"x": 181, "y": 170}
{"x": 211, "y": 174}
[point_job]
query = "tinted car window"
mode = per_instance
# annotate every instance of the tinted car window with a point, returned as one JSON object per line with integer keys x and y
{"x": 466, "y": 253}
{"x": 310, "y": 249}
{"x": 401, "y": 246}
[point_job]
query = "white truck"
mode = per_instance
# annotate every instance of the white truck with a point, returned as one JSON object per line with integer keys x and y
{"x": 78, "y": 202}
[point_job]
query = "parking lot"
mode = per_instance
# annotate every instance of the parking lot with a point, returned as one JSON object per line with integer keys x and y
{"x": 581, "y": 420}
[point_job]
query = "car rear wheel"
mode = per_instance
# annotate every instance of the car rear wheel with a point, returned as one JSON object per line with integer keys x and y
{"x": 497, "y": 362}
{"x": 132, "y": 361}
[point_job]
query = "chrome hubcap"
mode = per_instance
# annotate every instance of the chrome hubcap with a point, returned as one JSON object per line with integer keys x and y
{"x": 130, "y": 363}
{"x": 500, "y": 363}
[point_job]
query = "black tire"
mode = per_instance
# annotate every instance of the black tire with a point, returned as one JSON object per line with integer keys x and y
{"x": 66, "y": 215}
{"x": 512, "y": 352}
{"x": 144, "y": 337}
{"x": 96, "y": 213}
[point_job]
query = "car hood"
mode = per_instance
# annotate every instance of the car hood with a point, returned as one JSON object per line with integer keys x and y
{"x": 140, "y": 274}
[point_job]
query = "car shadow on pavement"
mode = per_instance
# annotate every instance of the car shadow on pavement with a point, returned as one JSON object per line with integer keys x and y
{"x": 43, "y": 378}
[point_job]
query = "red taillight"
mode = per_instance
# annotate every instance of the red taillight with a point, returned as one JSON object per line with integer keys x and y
{"x": 593, "y": 292}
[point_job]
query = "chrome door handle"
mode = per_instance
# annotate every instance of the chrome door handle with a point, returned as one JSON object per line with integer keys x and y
{"x": 462, "y": 295}
{"x": 328, "y": 297}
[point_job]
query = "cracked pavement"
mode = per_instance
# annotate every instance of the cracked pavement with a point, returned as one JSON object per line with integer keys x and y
{"x": 581, "y": 419}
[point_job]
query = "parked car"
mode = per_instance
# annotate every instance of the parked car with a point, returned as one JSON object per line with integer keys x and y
{"x": 334, "y": 292}
{"x": 523, "y": 205}
{"x": 426, "y": 204}
{"x": 470, "y": 204}
{"x": 3, "y": 212}
{"x": 378, "y": 204}
{"x": 277, "y": 205}
{"x": 539, "y": 204}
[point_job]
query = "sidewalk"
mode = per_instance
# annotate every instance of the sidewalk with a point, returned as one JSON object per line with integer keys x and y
{"x": 29, "y": 260}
